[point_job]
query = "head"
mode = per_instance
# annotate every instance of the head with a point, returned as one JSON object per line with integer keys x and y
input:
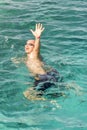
{"x": 29, "y": 46}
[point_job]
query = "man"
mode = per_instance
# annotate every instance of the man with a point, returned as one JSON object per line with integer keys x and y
{"x": 43, "y": 78}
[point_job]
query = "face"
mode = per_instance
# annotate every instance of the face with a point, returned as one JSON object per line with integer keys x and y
{"x": 29, "y": 46}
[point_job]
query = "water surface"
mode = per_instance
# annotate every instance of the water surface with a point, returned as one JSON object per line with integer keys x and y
{"x": 64, "y": 47}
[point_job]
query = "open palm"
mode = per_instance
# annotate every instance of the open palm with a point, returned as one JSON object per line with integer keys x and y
{"x": 38, "y": 30}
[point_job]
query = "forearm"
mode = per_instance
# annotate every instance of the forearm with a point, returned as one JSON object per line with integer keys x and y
{"x": 37, "y": 44}
{"x": 37, "y": 33}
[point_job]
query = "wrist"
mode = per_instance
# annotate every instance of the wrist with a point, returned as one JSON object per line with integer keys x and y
{"x": 38, "y": 37}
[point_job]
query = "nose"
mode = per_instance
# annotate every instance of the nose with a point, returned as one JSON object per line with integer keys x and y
{"x": 26, "y": 46}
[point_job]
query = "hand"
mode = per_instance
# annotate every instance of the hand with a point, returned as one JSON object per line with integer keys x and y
{"x": 39, "y": 29}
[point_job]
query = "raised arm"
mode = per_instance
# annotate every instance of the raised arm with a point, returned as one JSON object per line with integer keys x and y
{"x": 37, "y": 34}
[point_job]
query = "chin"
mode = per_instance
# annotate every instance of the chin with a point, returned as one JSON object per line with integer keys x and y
{"x": 26, "y": 52}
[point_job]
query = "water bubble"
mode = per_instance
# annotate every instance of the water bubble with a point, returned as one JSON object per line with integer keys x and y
{"x": 6, "y": 38}
{"x": 12, "y": 46}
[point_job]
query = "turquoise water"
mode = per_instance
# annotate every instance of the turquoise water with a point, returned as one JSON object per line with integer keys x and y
{"x": 64, "y": 47}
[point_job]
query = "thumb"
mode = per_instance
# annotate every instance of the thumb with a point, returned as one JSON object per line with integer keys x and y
{"x": 31, "y": 30}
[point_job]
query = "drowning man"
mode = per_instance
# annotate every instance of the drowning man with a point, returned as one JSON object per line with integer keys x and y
{"x": 43, "y": 78}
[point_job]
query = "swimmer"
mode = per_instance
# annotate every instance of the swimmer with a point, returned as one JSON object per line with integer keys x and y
{"x": 43, "y": 78}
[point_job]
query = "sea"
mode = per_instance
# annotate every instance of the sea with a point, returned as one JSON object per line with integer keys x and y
{"x": 63, "y": 47}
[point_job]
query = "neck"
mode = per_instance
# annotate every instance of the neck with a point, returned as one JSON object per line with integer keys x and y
{"x": 31, "y": 56}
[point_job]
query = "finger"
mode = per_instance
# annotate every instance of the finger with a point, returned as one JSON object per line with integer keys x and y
{"x": 31, "y": 30}
{"x": 41, "y": 26}
{"x": 42, "y": 29}
{"x": 36, "y": 26}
